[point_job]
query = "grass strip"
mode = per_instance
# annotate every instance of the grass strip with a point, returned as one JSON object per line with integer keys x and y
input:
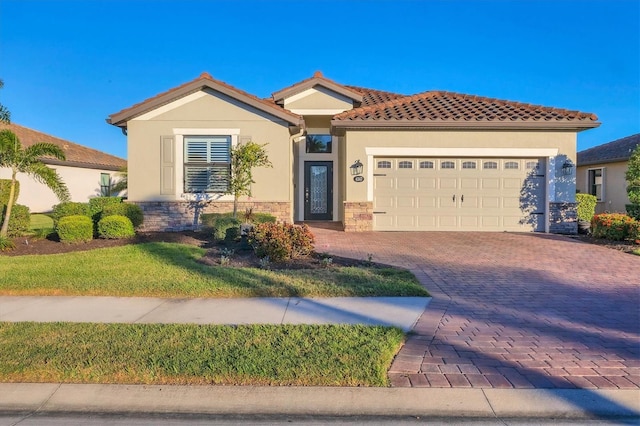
{"x": 40, "y": 221}
{"x": 173, "y": 270}
{"x": 303, "y": 355}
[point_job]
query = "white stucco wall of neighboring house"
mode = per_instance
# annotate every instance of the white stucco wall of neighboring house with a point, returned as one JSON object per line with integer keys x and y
{"x": 83, "y": 184}
{"x": 614, "y": 193}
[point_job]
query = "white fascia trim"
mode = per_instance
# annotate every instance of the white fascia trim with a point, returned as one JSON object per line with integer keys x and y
{"x": 462, "y": 152}
{"x": 317, "y": 111}
{"x": 205, "y": 132}
{"x": 170, "y": 106}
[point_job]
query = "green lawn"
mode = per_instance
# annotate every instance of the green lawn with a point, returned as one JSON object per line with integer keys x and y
{"x": 173, "y": 270}
{"x": 41, "y": 221}
{"x": 307, "y": 355}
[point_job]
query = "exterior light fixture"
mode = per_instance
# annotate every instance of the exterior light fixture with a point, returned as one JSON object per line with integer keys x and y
{"x": 567, "y": 168}
{"x": 356, "y": 168}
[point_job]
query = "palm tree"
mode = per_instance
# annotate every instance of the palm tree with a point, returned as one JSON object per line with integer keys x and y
{"x": 27, "y": 160}
{"x": 121, "y": 185}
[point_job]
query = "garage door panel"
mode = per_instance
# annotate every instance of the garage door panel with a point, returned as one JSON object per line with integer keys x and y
{"x": 511, "y": 202}
{"x": 448, "y": 183}
{"x": 406, "y": 183}
{"x": 469, "y": 202}
{"x": 383, "y": 202}
{"x": 405, "y": 221}
{"x": 383, "y": 222}
{"x": 427, "y": 202}
{"x": 489, "y": 222}
{"x": 491, "y": 183}
{"x": 511, "y": 183}
{"x": 469, "y": 222}
{"x": 469, "y": 183}
{"x": 406, "y": 202}
{"x": 383, "y": 183}
{"x": 427, "y": 222}
{"x": 447, "y": 221}
{"x": 426, "y": 183}
{"x": 490, "y": 202}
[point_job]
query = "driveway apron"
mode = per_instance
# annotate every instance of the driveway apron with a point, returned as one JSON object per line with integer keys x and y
{"x": 511, "y": 310}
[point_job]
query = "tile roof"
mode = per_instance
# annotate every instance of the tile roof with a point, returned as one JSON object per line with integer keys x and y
{"x": 611, "y": 152}
{"x": 372, "y": 96}
{"x": 316, "y": 80}
{"x": 203, "y": 81}
{"x": 76, "y": 155}
{"x": 447, "y": 108}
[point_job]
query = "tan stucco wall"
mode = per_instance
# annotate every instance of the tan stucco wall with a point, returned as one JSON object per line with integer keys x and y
{"x": 207, "y": 111}
{"x": 318, "y": 98}
{"x": 615, "y": 186}
{"x": 358, "y": 140}
{"x": 82, "y": 183}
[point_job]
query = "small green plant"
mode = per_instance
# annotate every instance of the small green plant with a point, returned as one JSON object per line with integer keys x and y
{"x": 225, "y": 251}
{"x": 586, "y": 206}
{"x": 132, "y": 211}
{"x": 20, "y": 220}
{"x": 224, "y": 260}
{"x": 69, "y": 208}
{"x": 75, "y": 229}
{"x": 368, "y": 262}
{"x": 327, "y": 261}
{"x": 281, "y": 241}
{"x": 115, "y": 227}
{"x": 6, "y": 244}
{"x": 612, "y": 226}
{"x": 265, "y": 263}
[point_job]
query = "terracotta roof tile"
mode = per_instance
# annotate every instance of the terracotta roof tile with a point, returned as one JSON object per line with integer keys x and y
{"x": 618, "y": 150}
{"x": 373, "y": 96}
{"x": 448, "y": 107}
{"x": 76, "y": 155}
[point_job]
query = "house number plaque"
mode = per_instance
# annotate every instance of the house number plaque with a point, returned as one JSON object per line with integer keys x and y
{"x": 358, "y": 178}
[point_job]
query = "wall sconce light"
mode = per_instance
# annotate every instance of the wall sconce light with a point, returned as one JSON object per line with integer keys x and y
{"x": 356, "y": 168}
{"x": 567, "y": 168}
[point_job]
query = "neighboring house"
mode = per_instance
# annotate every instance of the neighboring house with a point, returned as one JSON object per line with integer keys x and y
{"x": 601, "y": 172}
{"x": 370, "y": 159}
{"x": 87, "y": 172}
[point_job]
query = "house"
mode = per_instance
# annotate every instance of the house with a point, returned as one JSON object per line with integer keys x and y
{"x": 370, "y": 159}
{"x": 87, "y": 172}
{"x": 601, "y": 172}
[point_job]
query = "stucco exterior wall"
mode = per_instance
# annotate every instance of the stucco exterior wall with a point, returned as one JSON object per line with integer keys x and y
{"x": 615, "y": 186}
{"x": 82, "y": 183}
{"x": 204, "y": 111}
{"x": 460, "y": 144}
{"x": 318, "y": 98}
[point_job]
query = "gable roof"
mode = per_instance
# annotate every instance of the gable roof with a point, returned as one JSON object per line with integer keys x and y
{"x": 204, "y": 81}
{"x": 317, "y": 80}
{"x": 611, "y": 152}
{"x": 76, "y": 155}
{"x": 449, "y": 109}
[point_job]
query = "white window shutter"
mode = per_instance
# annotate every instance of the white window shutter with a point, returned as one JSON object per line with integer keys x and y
{"x": 167, "y": 165}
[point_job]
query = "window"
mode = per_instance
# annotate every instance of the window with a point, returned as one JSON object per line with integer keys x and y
{"x": 595, "y": 183}
{"x": 319, "y": 144}
{"x": 490, "y": 165}
{"x": 426, "y": 164}
{"x": 532, "y": 165}
{"x": 207, "y": 164}
{"x": 511, "y": 165}
{"x": 384, "y": 164}
{"x": 469, "y": 165}
{"x": 405, "y": 165}
{"x": 105, "y": 184}
{"x": 447, "y": 165}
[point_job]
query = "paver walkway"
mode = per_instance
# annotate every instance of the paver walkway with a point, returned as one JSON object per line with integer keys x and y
{"x": 511, "y": 310}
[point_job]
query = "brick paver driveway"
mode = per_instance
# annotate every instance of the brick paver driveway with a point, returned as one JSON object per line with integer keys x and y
{"x": 511, "y": 310}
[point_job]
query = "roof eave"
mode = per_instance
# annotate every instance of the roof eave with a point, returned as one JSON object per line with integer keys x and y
{"x": 351, "y": 94}
{"x": 81, "y": 164}
{"x": 406, "y": 124}
{"x": 603, "y": 161}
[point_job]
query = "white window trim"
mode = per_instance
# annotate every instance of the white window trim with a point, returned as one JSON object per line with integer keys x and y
{"x": 603, "y": 194}
{"x": 180, "y": 133}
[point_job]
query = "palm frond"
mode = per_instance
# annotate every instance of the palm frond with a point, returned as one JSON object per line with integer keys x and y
{"x": 43, "y": 149}
{"x": 49, "y": 177}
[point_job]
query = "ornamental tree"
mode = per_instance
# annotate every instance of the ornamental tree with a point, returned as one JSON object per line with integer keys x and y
{"x": 633, "y": 176}
{"x": 244, "y": 157}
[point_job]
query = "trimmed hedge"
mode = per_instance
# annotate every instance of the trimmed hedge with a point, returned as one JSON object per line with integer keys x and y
{"x": 75, "y": 229}
{"x": 115, "y": 227}
{"x": 69, "y": 208}
{"x": 633, "y": 210}
{"x": 586, "y": 206}
{"x": 5, "y": 188}
{"x": 132, "y": 211}
{"x": 222, "y": 222}
{"x": 97, "y": 204}
{"x": 19, "y": 221}
{"x": 281, "y": 241}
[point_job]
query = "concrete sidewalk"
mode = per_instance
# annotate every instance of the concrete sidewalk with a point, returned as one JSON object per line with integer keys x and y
{"x": 402, "y": 312}
{"x": 319, "y": 401}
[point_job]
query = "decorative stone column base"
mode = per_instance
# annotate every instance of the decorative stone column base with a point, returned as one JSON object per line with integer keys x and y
{"x": 172, "y": 216}
{"x": 563, "y": 218}
{"x": 358, "y": 216}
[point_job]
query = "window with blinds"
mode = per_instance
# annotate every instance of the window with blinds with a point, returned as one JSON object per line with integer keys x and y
{"x": 207, "y": 163}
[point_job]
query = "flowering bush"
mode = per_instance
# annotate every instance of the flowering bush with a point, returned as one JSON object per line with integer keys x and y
{"x": 281, "y": 241}
{"x": 613, "y": 226}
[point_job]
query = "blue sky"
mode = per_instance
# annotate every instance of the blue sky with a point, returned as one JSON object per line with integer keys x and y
{"x": 67, "y": 65}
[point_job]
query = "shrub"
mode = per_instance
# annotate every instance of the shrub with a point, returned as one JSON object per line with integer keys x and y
{"x": 221, "y": 222}
{"x": 75, "y": 229}
{"x": 5, "y": 188}
{"x": 115, "y": 227}
{"x": 281, "y": 241}
{"x": 633, "y": 210}
{"x": 612, "y": 226}
{"x": 586, "y": 206}
{"x": 97, "y": 204}
{"x": 634, "y": 231}
{"x": 132, "y": 211}
{"x": 6, "y": 244}
{"x": 69, "y": 208}
{"x": 20, "y": 220}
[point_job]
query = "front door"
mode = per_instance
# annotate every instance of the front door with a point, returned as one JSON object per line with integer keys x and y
{"x": 318, "y": 190}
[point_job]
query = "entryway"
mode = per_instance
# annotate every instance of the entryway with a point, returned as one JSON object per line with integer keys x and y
{"x": 318, "y": 190}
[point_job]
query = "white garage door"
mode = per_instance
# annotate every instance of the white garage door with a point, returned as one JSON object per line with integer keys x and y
{"x": 453, "y": 194}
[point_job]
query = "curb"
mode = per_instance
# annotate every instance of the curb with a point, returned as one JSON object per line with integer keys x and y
{"x": 319, "y": 401}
